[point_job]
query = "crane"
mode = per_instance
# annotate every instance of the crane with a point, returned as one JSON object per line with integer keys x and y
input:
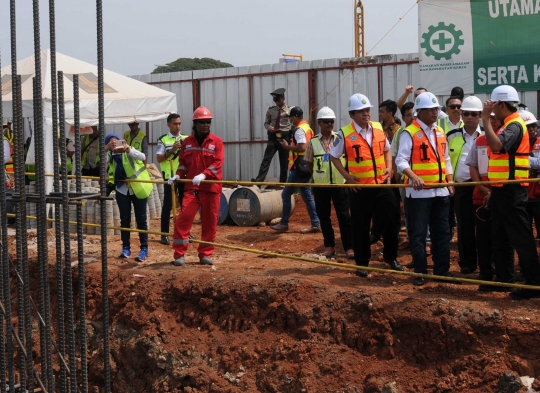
{"x": 359, "y": 29}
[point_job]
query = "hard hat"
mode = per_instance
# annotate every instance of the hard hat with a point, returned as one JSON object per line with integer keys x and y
{"x": 472, "y": 103}
{"x": 426, "y": 100}
{"x": 202, "y": 113}
{"x": 359, "y": 101}
{"x": 528, "y": 117}
{"x": 326, "y": 113}
{"x": 296, "y": 111}
{"x": 505, "y": 93}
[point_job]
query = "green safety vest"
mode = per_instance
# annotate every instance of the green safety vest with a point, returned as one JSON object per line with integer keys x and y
{"x": 135, "y": 169}
{"x": 84, "y": 159}
{"x": 324, "y": 172}
{"x": 456, "y": 141}
{"x": 169, "y": 141}
{"x": 137, "y": 141}
{"x": 445, "y": 125}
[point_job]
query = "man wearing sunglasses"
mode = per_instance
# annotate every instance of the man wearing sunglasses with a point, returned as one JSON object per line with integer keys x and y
{"x": 324, "y": 172}
{"x": 278, "y": 128}
{"x": 368, "y": 160}
{"x": 201, "y": 157}
{"x": 453, "y": 121}
{"x": 460, "y": 142}
{"x": 508, "y": 152}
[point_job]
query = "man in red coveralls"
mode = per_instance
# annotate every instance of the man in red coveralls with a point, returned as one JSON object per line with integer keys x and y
{"x": 201, "y": 157}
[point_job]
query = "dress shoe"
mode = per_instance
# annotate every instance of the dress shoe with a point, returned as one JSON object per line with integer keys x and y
{"x": 350, "y": 254}
{"x": 410, "y": 265}
{"x": 450, "y": 275}
{"x": 524, "y": 294}
{"x": 394, "y": 265}
{"x": 493, "y": 288}
{"x": 428, "y": 249}
{"x": 404, "y": 246}
{"x": 419, "y": 281}
{"x": 329, "y": 252}
{"x": 467, "y": 270}
{"x": 280, "y": 228}
{"x": 311, "y": 230}
{"x": 362, "y": 273}
{"x": 165, "y": 240}
{"x": 373, "y": 239}
{"x": 518, "y": 277}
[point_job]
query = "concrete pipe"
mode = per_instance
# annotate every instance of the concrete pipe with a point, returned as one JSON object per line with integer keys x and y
{"x": 249, "y": 206}
{"x": 224, "y": 205}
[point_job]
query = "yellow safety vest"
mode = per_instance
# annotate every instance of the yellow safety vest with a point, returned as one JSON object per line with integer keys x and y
{"x": 324, "y": 172}
{"x": 135, "y": 169}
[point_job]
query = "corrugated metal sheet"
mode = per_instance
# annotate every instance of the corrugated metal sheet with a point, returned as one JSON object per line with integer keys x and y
{"x": 239, "y": 97}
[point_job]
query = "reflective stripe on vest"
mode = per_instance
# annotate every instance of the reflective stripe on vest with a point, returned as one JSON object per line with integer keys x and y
{"x": 293, "y": 155}
{"x": 514, "y": 165}
{"x": 482, "y": 151}
{"x": 9, "y": 164}
{"x": 365, "y": 163}
{"x": 135, "y": 169}
{"x": 446, "y": 126}
{"x": 137, "y": 141}
{"x": 324, "y": 172}
{"x": 427, "y": 164}
{"x": 168, "y": 142}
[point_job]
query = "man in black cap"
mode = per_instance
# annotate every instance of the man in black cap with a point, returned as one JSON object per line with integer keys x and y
{"x": 278, "y": 127}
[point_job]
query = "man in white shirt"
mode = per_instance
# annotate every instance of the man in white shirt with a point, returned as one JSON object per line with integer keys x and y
{"x": 423, "y": 158}
{"x": 460, "y": 143}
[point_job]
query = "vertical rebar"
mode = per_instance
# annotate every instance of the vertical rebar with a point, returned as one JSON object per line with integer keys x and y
{"x": 68, "y": 279}
{"x": 103, "y": 192}
{"x": 80, "y": 245}
{"x": 56, "y": 187}
{"x": 42, "y": 207}
{"x": 5, "y": 254}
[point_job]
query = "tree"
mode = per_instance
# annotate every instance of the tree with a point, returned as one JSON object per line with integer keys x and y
{"x": 187, "y": 64}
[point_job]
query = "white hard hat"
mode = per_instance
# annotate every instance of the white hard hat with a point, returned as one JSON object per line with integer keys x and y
{"x": 359, "y": 101}
{"x": 326, "y": 113}
{"x": 505, "y": 93}
{"x": 472, "y": 103}
{"x": 426, "y": 100}
{"x": 528, "y": 117}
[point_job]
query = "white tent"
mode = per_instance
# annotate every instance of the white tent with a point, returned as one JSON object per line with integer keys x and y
{"x": 126, "y": 99}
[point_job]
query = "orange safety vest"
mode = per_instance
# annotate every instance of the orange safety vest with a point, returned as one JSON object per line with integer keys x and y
{"x": 425, "y": 162}
{"x": 293, "y": 155}
{"x": 9, "y": 164}
{"x": 514, "y": 165}
{"x": 365, "y": 163}
{"x": 481, "y": 148}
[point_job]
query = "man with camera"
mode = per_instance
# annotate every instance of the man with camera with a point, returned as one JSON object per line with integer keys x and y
{"x": 299, "y": 173}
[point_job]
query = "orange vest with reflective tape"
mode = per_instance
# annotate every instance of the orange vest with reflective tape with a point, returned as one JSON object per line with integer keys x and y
{"x": 427, "y": 164}
{"x": 364, "y": 162}
{"x": 293, "y": 155}
{"x": 9, "y": 164}
{"x": 514, "y": 165}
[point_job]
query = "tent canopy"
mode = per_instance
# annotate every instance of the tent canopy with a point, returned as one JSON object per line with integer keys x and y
{"x": 126, "y": 99}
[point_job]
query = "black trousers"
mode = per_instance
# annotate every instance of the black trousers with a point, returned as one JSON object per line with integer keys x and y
{"x": 272, "y": 147}
{"x": 482, "y": 223}
{"x": 167, "y": 204}
{"x": 90, "y": 172}
{"x": 324, "y": 197}
{"x": 533, "y": 210}
{"x": 465, "y": 213}
{"x": 364, "y": 204}
{"x": 139, "y": 206}
{"x": 376, "y": 229}
{"x": 510, "y": 230}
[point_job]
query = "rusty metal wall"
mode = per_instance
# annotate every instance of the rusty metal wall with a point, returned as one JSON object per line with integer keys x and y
{"x": 239, "y": 97}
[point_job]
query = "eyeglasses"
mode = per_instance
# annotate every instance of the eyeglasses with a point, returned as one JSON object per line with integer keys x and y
{"x": 454, "y": 106}
{"x": 204, "y": 121}
{"x": 473, "y": 114}
{"x": 328, "y": 121}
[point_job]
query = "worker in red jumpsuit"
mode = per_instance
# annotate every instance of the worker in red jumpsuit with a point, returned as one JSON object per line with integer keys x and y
{"x": 201, "y": 157}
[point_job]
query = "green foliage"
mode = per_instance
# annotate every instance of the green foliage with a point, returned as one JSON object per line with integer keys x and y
{"x": 187, "y": 64}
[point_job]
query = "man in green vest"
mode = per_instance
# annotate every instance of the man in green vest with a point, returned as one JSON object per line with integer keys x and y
{"x": 168, "y": 149}
{"x": 134, "y": 137}
{"x": 453, "y": 121}
{"x": 127, "y": 163}
{"x": 90, "y": 153}
{"x": 317, "y": 157}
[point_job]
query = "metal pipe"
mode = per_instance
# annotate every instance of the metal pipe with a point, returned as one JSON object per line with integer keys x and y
{"x": 103, "y": 188}
{"x": 68, "y": 277}
{"x": 80, "y": 241}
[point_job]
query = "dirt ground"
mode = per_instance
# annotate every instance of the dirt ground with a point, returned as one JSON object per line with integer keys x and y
{"x": 259, "y": 324}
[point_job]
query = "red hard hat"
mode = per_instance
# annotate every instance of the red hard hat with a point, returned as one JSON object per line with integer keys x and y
{"x": 202, "y": 113}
